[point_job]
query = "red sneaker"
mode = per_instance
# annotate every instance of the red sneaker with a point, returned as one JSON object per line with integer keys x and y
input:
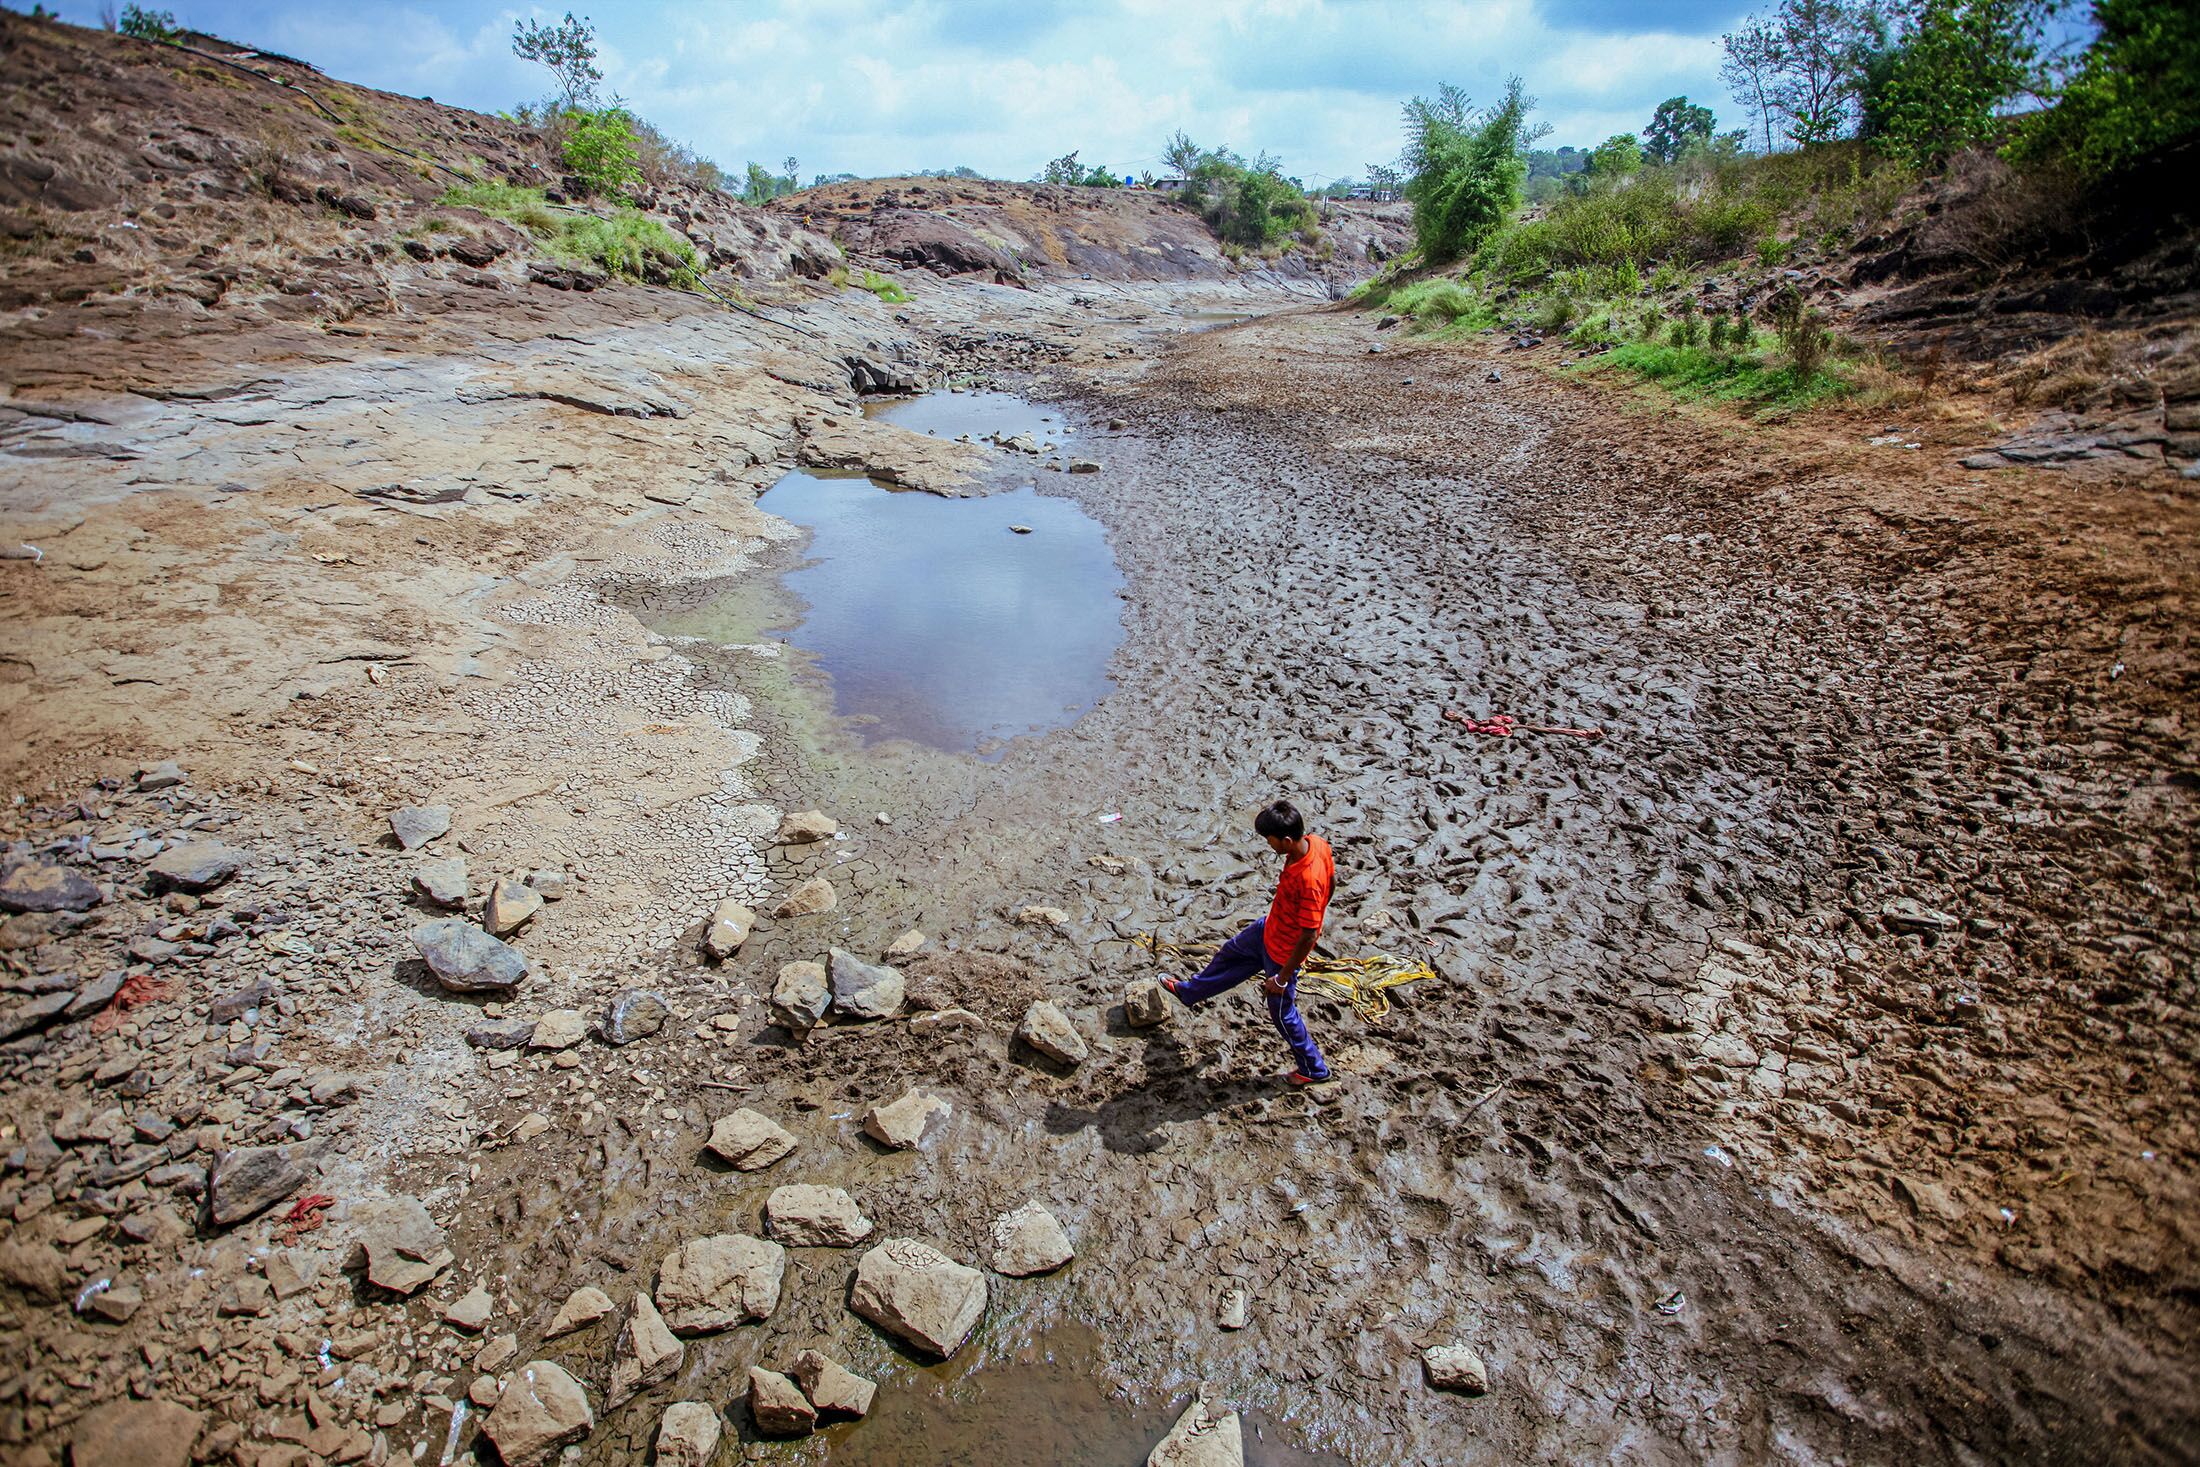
{"x": 1174, "y": 985}
{"x": 1298, "y": 1079}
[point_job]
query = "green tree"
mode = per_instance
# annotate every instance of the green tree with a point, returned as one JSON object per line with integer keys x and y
{"x": 603, "y": 150}
{"x": 1181, "y": 154}
{"x": 148, "y": 25}
{"x": 1616, "y": 157}
{"x": 1677, "y": 127}
{"x": 1065, "y": 169}
{"x": 1955, "y": 65}
{"x": 1466, "y": 168}
{"x": 1802, "y": 65}
{"x": 568, "y": 49}
{"x": 2134, "y": 92}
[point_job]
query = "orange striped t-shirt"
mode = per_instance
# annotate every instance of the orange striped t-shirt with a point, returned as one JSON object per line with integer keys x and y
{"x": 1302, "y": 899}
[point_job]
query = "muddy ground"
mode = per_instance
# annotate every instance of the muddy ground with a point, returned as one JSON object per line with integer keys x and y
{"x": 1809, "y": 1071}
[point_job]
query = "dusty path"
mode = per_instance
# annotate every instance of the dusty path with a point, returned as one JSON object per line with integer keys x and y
{"x": 1729, "y": 1085}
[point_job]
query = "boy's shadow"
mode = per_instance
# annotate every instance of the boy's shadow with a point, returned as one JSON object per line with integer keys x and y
{"x": 1129, "y": 1121}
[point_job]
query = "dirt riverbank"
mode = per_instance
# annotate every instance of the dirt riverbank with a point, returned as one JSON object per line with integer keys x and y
{"x": 1804, "y": 1074}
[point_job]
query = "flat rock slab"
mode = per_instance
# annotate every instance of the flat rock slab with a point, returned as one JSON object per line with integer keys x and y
{"x": 125, "y": 1433}
{"x": 511, "y": 904}
{"x": 441, "y": 881}
{"x": 644, "y": 1354}
{"x": 559, "y": 1029}
{"x": 466, "y": 959}
{"x": 416, "y": 825}
{"x": 808, "y": 900}
{"x": 47, "y": 886}
{"x": 194, "y": 866}
{"x": 911, "y": 1120}
{"x": 1455, "y": 1368}
{"x": 864, "y": 990}
{"x": 399, "y": 1246}
{"x": 1048, "y": 1030}
{"x": 806, "y": 1216}
{"x": 1029, "y": 1241}
{"x": 748, "y": 1141}
{"x": 919, "y": 1295}
{"x": 715, "y": 1283}
{"x": 1204, "y": 1436}
{"x": 542, "y": 1411}
{"x": 247, "y": 1182}
{"x": 687, "y": 1435}
{"x": 832, "y": 1387}
{"x": 777, "y": 1404}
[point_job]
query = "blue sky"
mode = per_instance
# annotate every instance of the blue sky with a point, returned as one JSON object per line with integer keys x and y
{"x": 881, "y": 86}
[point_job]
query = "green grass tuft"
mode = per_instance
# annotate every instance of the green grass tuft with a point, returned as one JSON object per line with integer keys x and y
{"x": 1441, "y": 302}
{"x": 889, "y": 291}
{"x": 622, "y": 244}
{"x": 1701, "y": 375}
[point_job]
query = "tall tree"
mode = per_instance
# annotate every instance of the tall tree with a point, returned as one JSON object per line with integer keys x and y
{"x": 1467, "y": 168}
{"x": 1750, "y": 71}
{"x": 1181, "y": 154}
{"x": 1803, "y": 65}
{"x": 568, "y": 49}
{"x": 1677, "y": 126}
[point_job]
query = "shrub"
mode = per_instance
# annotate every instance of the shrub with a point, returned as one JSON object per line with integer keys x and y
{"x": 1467, "y": 171}
{"x": 1718, "y": 333}
{"x": 1441, "y": 300}
{"x": 1773, "y": 250}
{"x": 148, "y": 25}
{"x": 889, "y": 291}
{"x": 1557, "y": 314}
{"x": 601, "y": 149}
{"x": 1802, "y": 331}
{"x": 1652, "y": 320}
{"x": 1687, "y": 325}
{"x": 1250, "y": 205}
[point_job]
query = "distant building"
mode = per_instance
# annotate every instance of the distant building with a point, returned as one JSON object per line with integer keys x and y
{"x": 1373, "y": 194}
{"x": 1170, "y": 181}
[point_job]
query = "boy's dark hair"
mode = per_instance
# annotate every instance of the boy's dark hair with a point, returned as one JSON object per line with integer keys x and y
{"x": 1281, "y": 820}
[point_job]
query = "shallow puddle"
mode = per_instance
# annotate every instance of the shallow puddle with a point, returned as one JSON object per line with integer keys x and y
{"x": 976, "y": 415}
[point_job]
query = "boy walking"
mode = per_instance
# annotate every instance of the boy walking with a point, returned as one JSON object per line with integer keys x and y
{"x": 1278, "y": 943}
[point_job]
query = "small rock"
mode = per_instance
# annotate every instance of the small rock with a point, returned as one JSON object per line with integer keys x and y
{"x": 832, "y": 1387}
{"x": 127, "y": 1433}
{"x": 748, "y": 1141}
{"x": 441, "y": 881}
{"x": 644, "y": 1353}
{"x": 1019, "y": 529}
{"x": 1906, "y": 914}
{"x": 244, "y": 1183}
{"x": 46, "y": 886}
{"x": 1029, "y": 1241}
{"x": 804, "y": 826}
{"x": 777, "y": 1404}
{"x": 471, "y": 1312}
{"x": 194, "y": 866}
{"x": 883, "y": 818}
{"x": 116, "y": 1305}
{"x": 1084, "y": 466}
{"x": 161, "y": 776}
{"x": 291, "y": 1271}
{"x": 416, "y": 825}
{"x": 1048, "y": 1030}
{"x": 1233, "y": 1307}
{"x": 541, "y": 1412}
{"x": 510, "y": 905}
{"x": 715, "y": 1283}
{"x": 38, "y": 1269}
{"x": 729, "y": 927}
{"x": 805, "y": 1216}
{"x": 466, "y": 959}
{"x": 582, "y": 1308}
{"x": 635, "y": 1013}
{"x": 399, "y": 1246}
{"x": 919, "y": 1295}
{"x": 687, "y": 1435}
{"x": 800, "y": 997}
{"x": 865, "y": 990}
{"x": 559, "y": 1029}
{"x": 908, "y": 1121}
{"x": 1034, "y": 916}
{"x": 1204, "y": 1436}
{"x": 552, "y": 884}
{"x": 1145, "y": 1004}
{"x": 485, "y": 1392}
{"x": 497, "y": 1354}
{"x": 1455, "y": 1368}
{"x": 906, "y": 944}
{"x": 807, "y": 900}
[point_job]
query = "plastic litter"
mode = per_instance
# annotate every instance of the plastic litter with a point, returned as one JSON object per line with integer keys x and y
{"x": 1718, "y": 1154}
{"x": 1111, "y": 818}
{"x": 1673, "y": 1303}
{"x": 91, "y": 1291}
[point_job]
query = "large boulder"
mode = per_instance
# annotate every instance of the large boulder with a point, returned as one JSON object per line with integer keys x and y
{"x": 643, "y": 1354}
{"x": 194, "y": 866}
{"x": 1204, "y": 1436}
{"x": 800, "y": 997}
{"x": 46, "y": 886}
{"x": 777, "y": 1404}
{"x": 907, "y": 1121}
{"x": 919, "y": 1295}
{"x": 399, "y": 1245}
{"x": 1048, "y": 1030}
{"x": 748, "y": 1141}
{"x": 832, "y": 1387}
{"x": 542, "y": 1411}
{"x": 806, "y": 1216}
{"x": 715, "y": 1283}
{"x": 127, "y": 1433}
{"x": 865, "y": 990}
{"x": 250, "y": 1180}
{"x": 1029, "y": 1241}
{"x": 466, "y": 959}
{"x": 687, "y": 1435}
